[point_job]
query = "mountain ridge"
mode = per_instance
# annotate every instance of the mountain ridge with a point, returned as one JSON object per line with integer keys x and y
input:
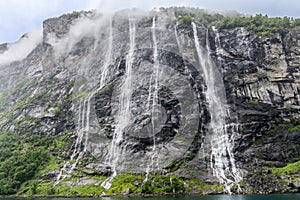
{"x": 67, "y": 98}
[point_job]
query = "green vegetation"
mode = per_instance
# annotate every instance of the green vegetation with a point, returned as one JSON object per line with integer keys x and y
{"x": 32, "y": 187}
{"x": 59, "y": 111}
{"x": 40, "y": 187}
{"x": 199, "y": 185}
{"x": 290, "y": 126}
{"x": 294, "y": 125}
{"x": 163, "y": 184}
{"x": 122, "y": 183}
{"x": 260, "y": 24}
{"x": 44, "y": 188}
{"x": 158, "y": 184}
{"x": 254, "y": 102}
{"x": 21, "y": 159}
{"x": 16, "y": 93}
{"x": 187, "y": 16}
{"x": 1, "y": 101}
{"x": 24, "y": 101}
{"x": 77, "y": 190}
{"x": 78, "y": 96}
{"x": 291, "y": 167}
{"x": 19, "y": 162}
{"x": 27, "y": 153}
{"x": 296, "y": 128}
{"x": 186, "y": 19}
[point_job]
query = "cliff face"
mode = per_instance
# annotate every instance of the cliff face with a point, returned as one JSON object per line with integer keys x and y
{"x": 145, "y": 94}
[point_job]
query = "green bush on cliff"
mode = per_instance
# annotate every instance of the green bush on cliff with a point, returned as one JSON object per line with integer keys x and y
{"x": 156, "y": 183}
{"x": 294, "y": 125}
{"x": 45, "y": 188}
{"x": 77, "y": 190}
{"x": 163, "y": 184}
{"x": 295, "y": 128}
{"x": 260, "y": 24}
{"x": 186, "y": 19}
{"x": 124, "y": 182}
{"x": 291, "y": 167}
{"x": 199, "y": 185}
{"x": 253, "y": 102}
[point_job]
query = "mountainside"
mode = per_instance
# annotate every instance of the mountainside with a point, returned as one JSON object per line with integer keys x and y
{"x": 151, "y": 102}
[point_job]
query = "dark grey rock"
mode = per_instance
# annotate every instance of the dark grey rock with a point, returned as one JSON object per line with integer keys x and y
{"x": 296, "y": 184}
{"x": 60, "y": 81}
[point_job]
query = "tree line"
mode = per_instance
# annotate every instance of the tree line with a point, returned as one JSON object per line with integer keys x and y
{"x": 260, "y": 24}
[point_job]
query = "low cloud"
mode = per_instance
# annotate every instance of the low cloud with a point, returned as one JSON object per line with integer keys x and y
{"x": 22, "y": 16}
{"x": 83, "y": 27}
{"x": 20, "y": 50}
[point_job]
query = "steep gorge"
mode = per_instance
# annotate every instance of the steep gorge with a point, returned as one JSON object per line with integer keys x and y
{"x": 157, "y": 104}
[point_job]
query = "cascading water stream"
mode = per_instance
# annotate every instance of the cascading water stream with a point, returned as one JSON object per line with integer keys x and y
{"x": 149, "y": 104}
{"x": 155, "y": 109}
{"x": 177, "y": 37}
{"x": 124, "y": 116}
{"x": 82, "y": 134}
{"x": 83, "y": 124}
{"x": 108, "y": 57}
{"x": 222, "y": 158}
{"x": 232, "y": 127}
{"x": 219, "y": 49}
{"x": 154, "y": 96}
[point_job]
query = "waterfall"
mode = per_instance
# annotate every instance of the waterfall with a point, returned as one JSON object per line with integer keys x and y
{"x": 177, "y": 38}
{"x": 219, "y": 49}
{"x": 123, "y": 117}
{"x": 84, "y": 111}
{"x": 149, "y": 104}
{"x": 155, "y": 109}
{"x": 108, "y": 57}
{"x": 154, "y": 96}
{"x": 222, "y": 160}
{"x": 232, "y": 127}
{"x": 82, "y": 135}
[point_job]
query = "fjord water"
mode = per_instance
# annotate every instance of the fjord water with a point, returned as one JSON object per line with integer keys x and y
{"x": 190, "y": 197}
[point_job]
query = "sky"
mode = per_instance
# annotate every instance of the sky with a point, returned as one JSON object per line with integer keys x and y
{"x": 18, "y": 17}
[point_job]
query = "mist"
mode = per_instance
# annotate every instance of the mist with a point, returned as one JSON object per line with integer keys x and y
{"x": 85, "y": 26}
{"x": 21, "y": 49}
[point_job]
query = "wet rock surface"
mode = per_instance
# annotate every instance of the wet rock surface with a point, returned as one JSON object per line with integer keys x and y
{"x": 261, "y": 75}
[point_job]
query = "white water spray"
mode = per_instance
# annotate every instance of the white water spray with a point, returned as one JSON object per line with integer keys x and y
{"x": 82, "y": 135}
{"x": 219, "y": 50}
{"x": 108, "y": 57}
{"x": 177, "y": 38}
{"x": 83, "y": 124}
{"x": 124, "y": 115}
{"x": 222, "y": 158}
{"x": 155, "y": 111}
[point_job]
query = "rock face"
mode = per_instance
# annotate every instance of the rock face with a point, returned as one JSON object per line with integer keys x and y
{"x": 133, "y": 89}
